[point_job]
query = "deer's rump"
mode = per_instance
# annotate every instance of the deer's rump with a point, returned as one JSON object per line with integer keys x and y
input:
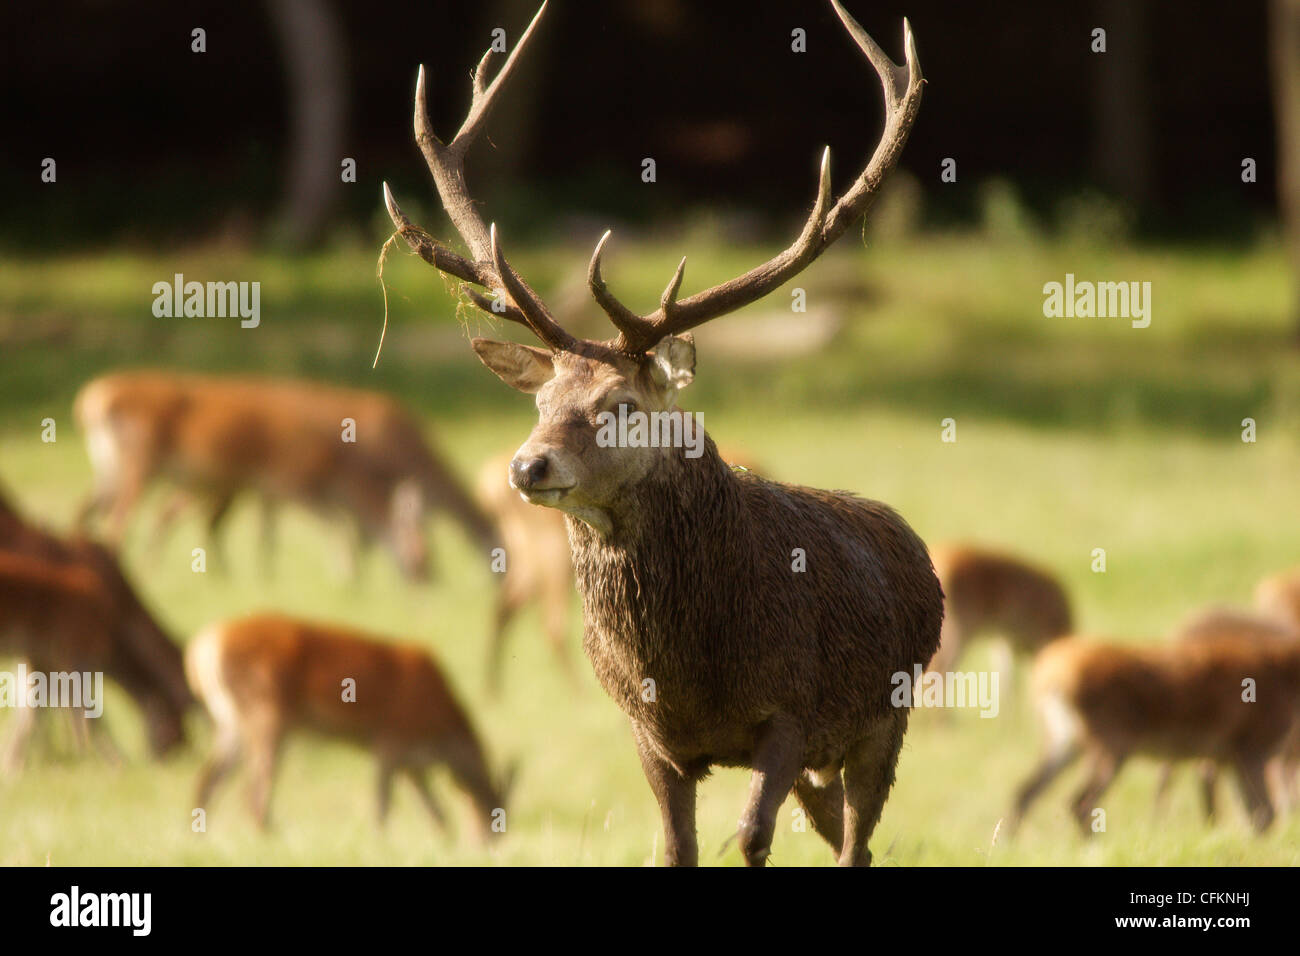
{"x": 857, "y": 602}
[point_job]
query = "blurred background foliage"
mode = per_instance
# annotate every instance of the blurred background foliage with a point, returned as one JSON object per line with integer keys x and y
{"x": 158, "y": 145}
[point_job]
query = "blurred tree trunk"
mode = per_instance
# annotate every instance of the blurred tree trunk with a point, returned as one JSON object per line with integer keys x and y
{"x": 312, "y": 46}
{"x": 1121, "y": 155}
{"x": 1284, "y": 42}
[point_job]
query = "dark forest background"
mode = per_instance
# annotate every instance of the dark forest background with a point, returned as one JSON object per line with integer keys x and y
{"x": 156, "y": 144}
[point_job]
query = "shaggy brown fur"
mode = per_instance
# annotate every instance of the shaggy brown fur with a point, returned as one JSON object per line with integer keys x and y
{"x": 755, "y": 664}
{"x": 539, "y": 570}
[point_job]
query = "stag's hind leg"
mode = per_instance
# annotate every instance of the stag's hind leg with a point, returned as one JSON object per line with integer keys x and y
{"x": 868, "y": 776}
{"x": 821, "y": 795}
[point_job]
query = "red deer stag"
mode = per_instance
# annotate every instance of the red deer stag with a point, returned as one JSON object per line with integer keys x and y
{"x": 696, "y": 621}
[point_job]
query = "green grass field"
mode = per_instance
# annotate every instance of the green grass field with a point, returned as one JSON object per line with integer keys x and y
{"x": 1072, "y": 434}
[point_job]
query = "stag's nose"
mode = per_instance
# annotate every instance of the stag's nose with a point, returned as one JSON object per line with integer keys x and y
{"x": 527, "y": 472}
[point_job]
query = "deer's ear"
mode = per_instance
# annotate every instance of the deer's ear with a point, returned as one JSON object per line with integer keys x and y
{"x": 672, "y": 361}
{"x": 519, "y": 366}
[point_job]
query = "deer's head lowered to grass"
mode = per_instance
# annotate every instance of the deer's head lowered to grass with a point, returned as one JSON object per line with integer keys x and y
{"x": 719, "y": 650}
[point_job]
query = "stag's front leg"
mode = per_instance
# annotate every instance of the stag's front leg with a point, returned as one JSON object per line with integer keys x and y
{"x": 778, "y": 760}
{"x": 676, "y": 796}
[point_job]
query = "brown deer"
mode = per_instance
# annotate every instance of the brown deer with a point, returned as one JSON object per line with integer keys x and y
{"x": 286, "y": 440}
{"x": 736, "y": 621}
{"x": 262, "y": 676}
{"x": 538, "y": 569}
{"x": 990, "y": 592}
{"x": 1177, "y": 701}
{"x": 140, "y": 655}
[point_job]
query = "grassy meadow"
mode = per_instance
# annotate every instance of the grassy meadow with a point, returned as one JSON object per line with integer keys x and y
{"x": 1072, "y": 434}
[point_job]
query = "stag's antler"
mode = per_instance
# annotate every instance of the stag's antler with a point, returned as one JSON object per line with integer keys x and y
{"x": 902, "y": 90}
{"x": 489, "y": 268}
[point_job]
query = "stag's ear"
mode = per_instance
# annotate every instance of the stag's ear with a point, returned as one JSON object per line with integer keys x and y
{"x": 519, "y": 366}
{"x": 672, "y": 361}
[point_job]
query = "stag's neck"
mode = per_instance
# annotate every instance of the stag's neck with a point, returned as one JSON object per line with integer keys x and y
{"x": 676, "y": 558}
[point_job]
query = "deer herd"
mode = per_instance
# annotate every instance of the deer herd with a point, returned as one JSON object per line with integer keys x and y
{"x": 716, "y": 648}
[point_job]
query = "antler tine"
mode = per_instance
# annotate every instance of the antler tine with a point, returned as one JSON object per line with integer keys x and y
{"x": 432, "y": 251}
{"x": 669, "y": 299}
{"x": 891, "y": 74}
{"x": 480, "y": 74}
{"x": 485, "y": 99}
{"x": 535, "y": 315}
{"x": 488, "y": 269}
{"x": 902, "y": 86}
{"x": 625, "y": 320}
{"x": 900, "y": 115}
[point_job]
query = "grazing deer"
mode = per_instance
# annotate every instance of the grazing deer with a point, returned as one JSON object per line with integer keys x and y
{"x": 217, "y": 437}
{"x": 1177, "y": 701}
{"x": 1214, "y": 624}
{"x": 988, "y": 592}
{"x": 538, "y": 567}
{"x": 736, "y": 621}
{"x": 141, "y": 657}
{"x": 1278, "y": 596}
{"x": 262, "y": 676}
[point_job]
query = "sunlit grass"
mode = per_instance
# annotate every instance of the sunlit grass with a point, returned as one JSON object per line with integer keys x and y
{"x": 1072, "y": 435}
